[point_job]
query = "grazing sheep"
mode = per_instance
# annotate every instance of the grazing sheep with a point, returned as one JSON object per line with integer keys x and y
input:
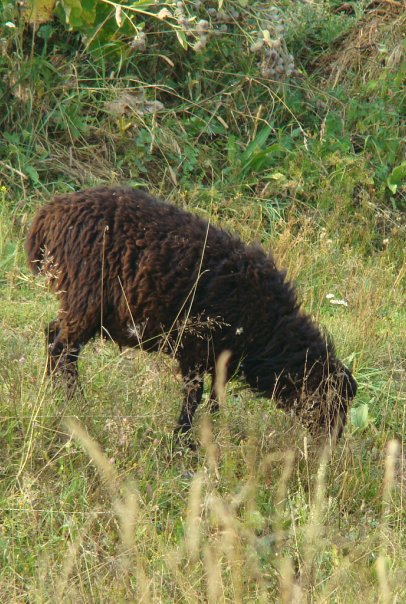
{"x": 147, "y": 274}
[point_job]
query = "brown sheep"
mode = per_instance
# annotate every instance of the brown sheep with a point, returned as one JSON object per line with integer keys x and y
{"x": 145, "y": 273}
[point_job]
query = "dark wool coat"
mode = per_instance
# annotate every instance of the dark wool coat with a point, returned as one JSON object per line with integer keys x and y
{"x": 145, "y": 273}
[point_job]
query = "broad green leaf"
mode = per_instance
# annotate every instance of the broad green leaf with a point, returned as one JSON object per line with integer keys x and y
{"x": 360, "y": 416}
{"x": 277, "y": 176}
{"x": 11, "y": 137}
{"x": 32, "y": 173}
{"x": 45, "y": 31}
{"x": 39, "y": 11}
{"x": 261, "y": 158}
{"x": 396, "y": 177}
{"x": 89, "y": 11}
{"x": 258, "y": 142}
{"x": 73, "y": 12}
{"x": 80, "y": 13}
{"x": 182, "y": 38}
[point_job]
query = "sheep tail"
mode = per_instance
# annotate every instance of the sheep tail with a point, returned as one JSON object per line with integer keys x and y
{"x": 35, "y": 243}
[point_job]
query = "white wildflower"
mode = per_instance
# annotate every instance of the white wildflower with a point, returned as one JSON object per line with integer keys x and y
{"x": 339, "y": 302}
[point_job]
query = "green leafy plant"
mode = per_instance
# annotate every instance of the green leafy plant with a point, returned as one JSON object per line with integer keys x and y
{"x": 360, "y": 417}
{"x": 396, "y": 177}
{"x": 258, "y": 155}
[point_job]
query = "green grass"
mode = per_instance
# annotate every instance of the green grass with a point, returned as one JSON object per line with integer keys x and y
{"x": 109, "y": 509}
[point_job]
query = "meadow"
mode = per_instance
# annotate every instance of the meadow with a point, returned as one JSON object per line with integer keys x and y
{"x": 97, "y": 502}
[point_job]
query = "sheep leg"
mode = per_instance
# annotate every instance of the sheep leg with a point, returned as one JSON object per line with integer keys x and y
{"x": 214, "y": 406}
{"x": 62, "y": 357}
{"x": 217, "y": 389}
{"x": 51, "y": 333}
{"x": 193, "y": 397}
{"x": 52, "y": 330}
